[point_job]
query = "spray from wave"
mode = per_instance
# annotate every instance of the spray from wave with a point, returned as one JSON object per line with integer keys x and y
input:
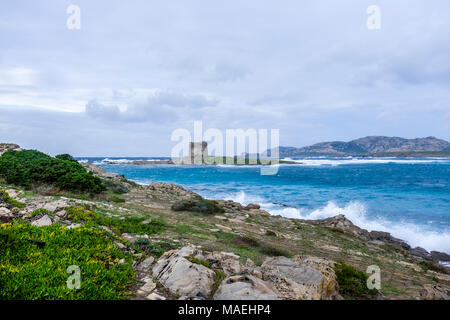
{"x": 350, "y": 160}
{"x": 356, "y": 212}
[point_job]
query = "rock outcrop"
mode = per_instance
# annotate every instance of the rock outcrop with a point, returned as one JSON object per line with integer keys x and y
{"x": 170, "y": 191}
{"x": 182, "y": 277}
{"x": 245, "y": 287}
{"x": 296, "y": 280}
{"x": 440, "y": 256}
{"x": 342, "y": 223}
{"x": 434, "y": 292}
{"x": 113, "y": 181}
{"x": 386, "y": 237}
{"x": 191, "y": 273}
{"x": 4, "y": 147}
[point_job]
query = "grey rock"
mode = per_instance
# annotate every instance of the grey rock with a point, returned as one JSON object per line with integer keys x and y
{"x": 57, "y": 205}
{"x": 145, "y": 265}
{"x": 5, "y": 212}
{"x": 4, "y": 147}
{"x": 421, "y": 253}
{"x": 440, "y": 256}
{"x": 295, "y": 280}
{"x": 245, "y": 287}
{"x": 147, "y": 288}
{"x": 342, "y": 223}
{"x": 181, "y": 276}
{"x": 155, "y": 296}
{"x": 43, "y": 221}
{"x": 386, "y": 237}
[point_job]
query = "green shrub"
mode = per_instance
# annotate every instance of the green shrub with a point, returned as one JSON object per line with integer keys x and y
{"x": 40, "y": 211}
{"x": 29, "y": 167}
{"x": 66, "y": 157}
{"x": 4, "y": 197}
{"x": 198, "y": 205}
{"x": 430, "y": 265}
{"x": 353, "y": 282}
{"x": 265, "y": 248}
{"x": 34, "y": 261}
{"x": 274, "y": 251}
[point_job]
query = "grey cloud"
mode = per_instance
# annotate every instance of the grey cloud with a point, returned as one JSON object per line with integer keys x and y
{"x": 310, "y": 68}
{"x": 97, "y": 110}
{"x": 226, "y": 72}
{"x": 160, "y": 107}
{"x": 174, "y": 99}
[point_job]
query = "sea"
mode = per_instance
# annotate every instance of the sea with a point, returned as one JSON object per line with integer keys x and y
{"x": 408, "y": 197}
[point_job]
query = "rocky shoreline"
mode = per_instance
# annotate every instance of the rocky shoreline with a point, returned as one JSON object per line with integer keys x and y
{"x": 242, "y": 252}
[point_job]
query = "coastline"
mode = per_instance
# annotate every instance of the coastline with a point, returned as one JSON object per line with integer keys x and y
{"x": 226, "y": 244}
{"x": 338, "y": 221}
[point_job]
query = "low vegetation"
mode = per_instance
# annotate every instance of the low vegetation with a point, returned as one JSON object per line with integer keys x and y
{"x": 39, "y": 212}
{"x": 10, "y": 202}
{"x": 263, "y": 247}
{"x": 200, "y": 262}
{"x": 353, "y": 282}
{"x": 134, "y": 224}
{"x": 30, "y": 168}
{"x": 34, "y": 263}
{"x": 198, "y": 205}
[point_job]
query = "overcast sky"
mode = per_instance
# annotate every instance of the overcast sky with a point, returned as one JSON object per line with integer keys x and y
{"x": 137, "y": 70}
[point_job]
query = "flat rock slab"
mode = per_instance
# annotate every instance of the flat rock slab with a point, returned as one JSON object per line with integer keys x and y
{"x": 245, "y": 287}
{"x": 292, "y": 279}
{"x": 43, "y": 221}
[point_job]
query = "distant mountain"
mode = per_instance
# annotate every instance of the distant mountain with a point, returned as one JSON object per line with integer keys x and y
{"x": 368, "y": 145}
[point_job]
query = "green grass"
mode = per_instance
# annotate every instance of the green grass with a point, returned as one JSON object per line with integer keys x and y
{"x": 200, "y": 262}
{"x": 40, "y": 211}
{"x": 30, "y": 271}
{"x": 131, "y": 224}
{"x": 246, "y": 242}
{"x": 4, "y": 197}
{"x": 220, "y": 276}
{"x": 389, "y": 289}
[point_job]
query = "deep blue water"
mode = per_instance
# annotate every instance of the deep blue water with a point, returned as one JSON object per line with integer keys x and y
{"x": 408, "y": 197}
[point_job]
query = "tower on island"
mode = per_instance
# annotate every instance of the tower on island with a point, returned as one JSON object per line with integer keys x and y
{"x": 198, "y": 151}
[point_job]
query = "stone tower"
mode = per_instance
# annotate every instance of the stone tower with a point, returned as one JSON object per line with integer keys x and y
{"x": 198, "y": 151}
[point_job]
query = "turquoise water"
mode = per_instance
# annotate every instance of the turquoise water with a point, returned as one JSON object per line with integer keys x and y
{"x": 408, "y": 197}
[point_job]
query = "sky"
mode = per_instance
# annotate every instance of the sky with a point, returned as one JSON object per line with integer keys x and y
{"x": 136, "y": 71}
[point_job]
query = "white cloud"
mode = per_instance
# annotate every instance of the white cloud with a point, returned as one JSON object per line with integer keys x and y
{"x": 312, "y": 69}
{"x": 19, "y": 76}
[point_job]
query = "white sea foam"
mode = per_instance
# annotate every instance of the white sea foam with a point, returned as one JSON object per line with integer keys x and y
{"x": 123, "y": 161}
{"x": 351, "y": 160}
{"x": 356, "y": 212}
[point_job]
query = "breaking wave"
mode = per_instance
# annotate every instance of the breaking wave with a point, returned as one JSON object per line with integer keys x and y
{"x": 350, "y": 160}
{"x": 356, "y": 212}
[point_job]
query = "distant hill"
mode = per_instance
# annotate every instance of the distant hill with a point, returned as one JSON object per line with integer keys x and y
{"x": 369, "y": 145}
